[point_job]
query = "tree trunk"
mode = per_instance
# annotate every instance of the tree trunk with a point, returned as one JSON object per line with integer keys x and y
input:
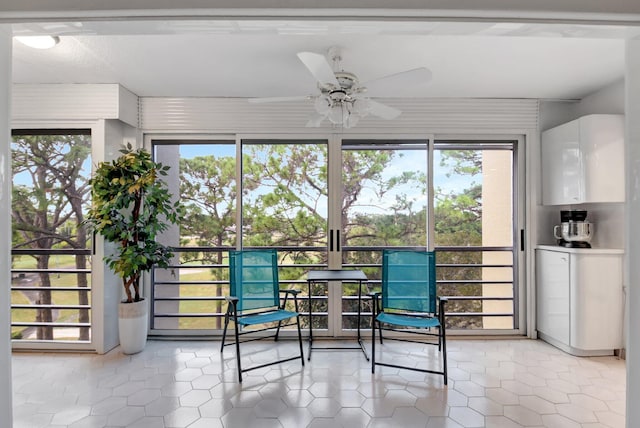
{"x": 44, "y": 298}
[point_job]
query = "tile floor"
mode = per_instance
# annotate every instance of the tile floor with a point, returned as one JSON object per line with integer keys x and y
{"x": 492, "y": 383}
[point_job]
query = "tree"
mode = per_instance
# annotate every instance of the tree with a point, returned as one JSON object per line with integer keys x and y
{"x": 285, "y": 192}
{"x": 365, "y": 168}
{"x": 49, "y": 195}
{"x": 458, "y": 223}
{"x": 292, "y": 183}
{"x": 131, "y": 206}
{"x": 208, "y": 191}
{"x": 291, "y": 188}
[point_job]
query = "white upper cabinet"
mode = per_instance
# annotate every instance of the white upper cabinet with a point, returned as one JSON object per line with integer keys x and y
{"x": 583, "y": 161}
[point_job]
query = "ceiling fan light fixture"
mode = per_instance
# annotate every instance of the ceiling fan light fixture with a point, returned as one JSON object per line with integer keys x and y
{"x": 39, "y": 42}
{"x": 351, "y": 121}
{"x": 322, "y": 104}
{"x": 338, "y": 114}
{"x": 361, "y": 106}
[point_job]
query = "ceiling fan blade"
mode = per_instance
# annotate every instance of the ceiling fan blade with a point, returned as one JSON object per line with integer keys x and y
{"x": 278, "y": 99}
{"x": 394, "y": 84}
{"x": 315, "y": 120}
{"x": 382, "y": 110}
{"x": 319, "y": 67}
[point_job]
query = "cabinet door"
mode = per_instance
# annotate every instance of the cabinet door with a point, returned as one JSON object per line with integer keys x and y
{"x": 562, "y": 165}
{"x": 596, "y": 301}
{"x": 552, "y": 284}
{"x": 602, "y": 147}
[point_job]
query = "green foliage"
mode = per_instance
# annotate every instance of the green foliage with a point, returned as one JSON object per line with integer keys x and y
{"x": 285, "y": 186}
{"x": 48, "y": 191}
{"x": 458, "y": 223}
{"x": 285, "y": 194}
{"x": 131, "y": 206}
{"x": 208, "y": 191}
{"x": 463, "y": 162}
{"x": 458, "y": 218}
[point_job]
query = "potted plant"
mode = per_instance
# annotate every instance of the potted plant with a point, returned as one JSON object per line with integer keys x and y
{"x": 131, "y": 206}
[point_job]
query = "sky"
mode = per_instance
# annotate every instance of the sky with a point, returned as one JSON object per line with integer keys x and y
{"x": 407, "y": 160}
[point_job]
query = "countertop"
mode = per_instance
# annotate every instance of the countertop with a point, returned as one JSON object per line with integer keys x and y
{"x": 580, "y": 250}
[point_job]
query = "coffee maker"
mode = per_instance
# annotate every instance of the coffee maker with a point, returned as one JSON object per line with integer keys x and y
{"x": 573, "y": 231}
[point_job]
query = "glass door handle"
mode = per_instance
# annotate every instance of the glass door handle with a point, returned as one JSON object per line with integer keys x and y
{"x": 330, "y": 239}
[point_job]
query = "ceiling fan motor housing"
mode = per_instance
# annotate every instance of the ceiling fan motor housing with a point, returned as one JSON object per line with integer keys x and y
{"x": 347, "y": 80}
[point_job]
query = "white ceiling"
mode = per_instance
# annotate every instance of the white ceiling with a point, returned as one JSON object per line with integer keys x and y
{"x": 258, "y": 59}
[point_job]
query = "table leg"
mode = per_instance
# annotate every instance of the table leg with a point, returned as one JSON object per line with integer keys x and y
{"x": 359, "y": 315}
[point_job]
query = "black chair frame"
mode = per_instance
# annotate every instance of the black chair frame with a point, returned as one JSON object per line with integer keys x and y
{"x": 441, "y": 335}
{"x": 232, "y": 314}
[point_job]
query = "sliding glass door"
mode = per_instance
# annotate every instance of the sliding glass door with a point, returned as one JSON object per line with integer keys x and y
{"x": 383, "y": 203}
{"x": 475, "y": 232}
{"x": 337, "y": 203}
{"x": 285, "y": 206}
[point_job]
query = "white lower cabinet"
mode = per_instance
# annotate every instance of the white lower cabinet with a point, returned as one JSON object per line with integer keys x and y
{"x": 579, "y": 300}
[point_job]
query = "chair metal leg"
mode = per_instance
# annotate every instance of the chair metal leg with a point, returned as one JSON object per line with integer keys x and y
{"x": 442, "y": 337}
{"x": 373, "y": 341}
{"x": 444, "y": 353}
{"x": 235, "y": 324}
{"x": 275, "y": 338}
{"x": 300, "y": 339}
{"x": 224, "y": 332}
{"x": 379, "y": 326}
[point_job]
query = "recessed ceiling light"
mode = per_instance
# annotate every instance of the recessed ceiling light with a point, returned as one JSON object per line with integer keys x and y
{"x": 39, "y": 42}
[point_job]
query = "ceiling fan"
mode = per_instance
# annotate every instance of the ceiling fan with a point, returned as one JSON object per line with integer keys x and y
{"x": 343, "y": 99}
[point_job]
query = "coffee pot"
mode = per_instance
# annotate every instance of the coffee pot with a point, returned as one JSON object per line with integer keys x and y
{"x": 573, "y": 231}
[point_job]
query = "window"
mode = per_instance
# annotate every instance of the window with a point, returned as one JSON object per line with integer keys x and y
{"x": 51, "y": 265}
{"x": 456, "y": 196}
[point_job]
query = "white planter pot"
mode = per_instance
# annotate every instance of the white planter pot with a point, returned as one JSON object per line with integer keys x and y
{"x": 133, "y": 323}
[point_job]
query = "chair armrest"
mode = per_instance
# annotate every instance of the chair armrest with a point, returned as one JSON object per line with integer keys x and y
{"x": 286, "y": 296}
{"x": 375, "y": 302}
{"x": 443, "y": 299}
{"x": 232, "y": 306}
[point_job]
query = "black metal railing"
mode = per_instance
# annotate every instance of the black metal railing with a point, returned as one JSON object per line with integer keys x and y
{"x": 51, "y": 304}
{"x": 54, "y": 303}
{"x": 480, "y": 293}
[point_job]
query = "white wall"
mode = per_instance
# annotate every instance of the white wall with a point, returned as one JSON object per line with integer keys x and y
{"x": 632, "y": 108}
{"x": 5, "y": 228}
{"x": 607, "y": 100}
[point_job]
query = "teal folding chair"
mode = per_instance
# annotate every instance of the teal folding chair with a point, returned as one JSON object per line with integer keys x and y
{"x": 407, "y": 304}
{"x": 255, "y": 300}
